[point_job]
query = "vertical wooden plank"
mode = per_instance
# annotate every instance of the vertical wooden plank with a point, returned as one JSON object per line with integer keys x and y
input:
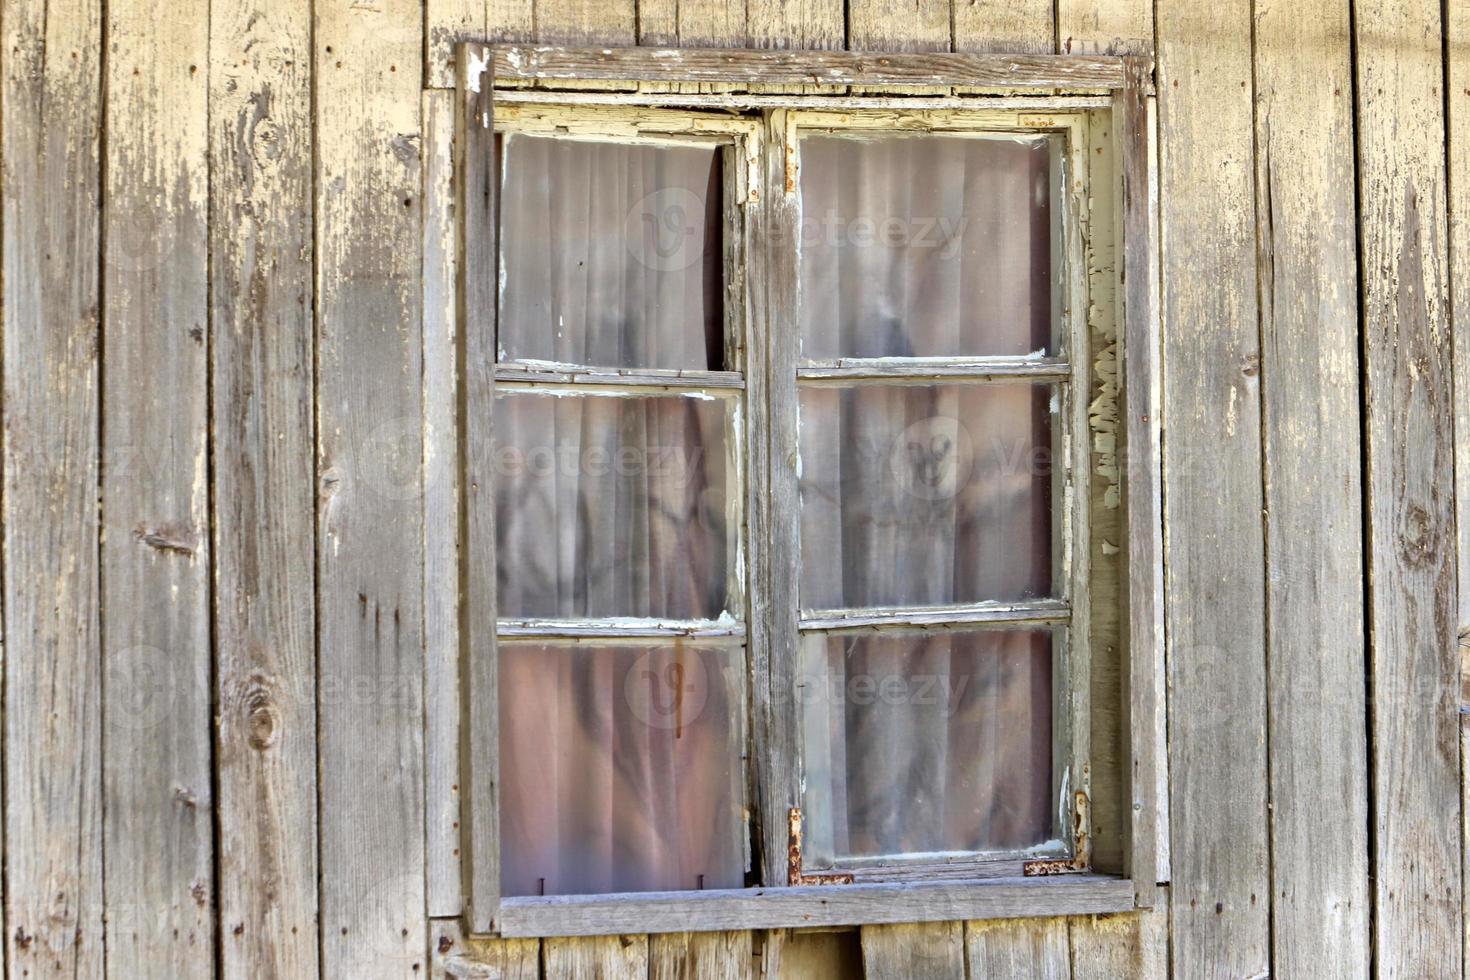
{"x": 1008, "y": 26}
{"x": 1122, "y": 947}
{"x": 455, "y": 956}
{"x": 595, "y": 958}
{"x": 370, "y": 515}
{"x": 1409, "y": 429}
{"x": 1105, "y": 27}
{"x": 1457, "y": 103}
{"x": 157, "y": 787}
{"x": 898, "y": 25}
{"x": 812, "y": 955}
{"x": 441, "y": 508}
{"x": 584, "y": 22}
{"x": 51, "y": 103}
{"x": 1018, "y": 949}
{"x": 701, "y": 956}
{"x": 932, "y": 949}
{"x": 1212, "y": 492}
{"x": 480, "y": 693}
{"x": 1306, "y": 234}
{"x": 264, "y": 504}
{"x": 447, "y": 23}
{"x": 798, "y": 24}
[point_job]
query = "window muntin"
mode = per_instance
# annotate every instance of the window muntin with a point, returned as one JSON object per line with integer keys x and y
{"x": 1053, "y": 370}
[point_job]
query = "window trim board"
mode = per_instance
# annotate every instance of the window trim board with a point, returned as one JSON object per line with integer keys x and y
{"x": 768, "y": 247}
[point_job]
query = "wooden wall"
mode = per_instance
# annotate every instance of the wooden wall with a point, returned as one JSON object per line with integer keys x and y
{"x": 224, "y": 487}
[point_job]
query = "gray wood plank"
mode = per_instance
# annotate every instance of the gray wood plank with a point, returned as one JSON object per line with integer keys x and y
{"x": 1029, "y": 948}
{"x": 1212, "y": 493}
{"x": 825, "y": 67}
{"x": 480, "y": 694}
{"x": 1143, "y": 687}
{"x": 1306, "y": 229}
{"x": 370, "y": 510}
{"x": 1409, "y": 434}
{"x": 1457, "y": 104}
{"x": 441, "y": 508}
{"x": 50, "y": 154}
{"x": 158, "y": 876}
{"x": 814, "y": 905}
{"x": 931, "y": 949}
{"x": 263, "y": 469}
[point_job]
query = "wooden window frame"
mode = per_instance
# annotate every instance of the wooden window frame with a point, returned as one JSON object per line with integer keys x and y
{"x": 1020, "y": 93}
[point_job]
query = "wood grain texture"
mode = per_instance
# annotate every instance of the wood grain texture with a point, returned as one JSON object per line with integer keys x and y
{"x": 441, "y": 508}
{"x": 912, "y": 71}
{"x": 598, "y": 958}
{"x": 1457, "y": 104}
{"x": 935, "y": 949}
{"x": 476, "y": 352}
{"x": 447, "y": 23}
{"x": 1142, "y": 688}
{"x": 898, "y": 25}
{"x": 812, "y": 955}
{"x": 1409, "y": 431}
{"x": 158, "y": 876}
{"x": 1004, "y": 26}
{"x": 1029, "y": 949}
{"x": 455, "y": 956}
{"x": 1132, "y": 946}
{"x": 1123, "y": 27}
{"x": 701, "y": 956}
{"x": 51, "y": 151}
{"x": 1306, "y": 233}
{"x": 1212, "y": 492}
{"x": 813, "y": 906}
{"x": 264, "y": 508}
{"x": 370, "y": 510}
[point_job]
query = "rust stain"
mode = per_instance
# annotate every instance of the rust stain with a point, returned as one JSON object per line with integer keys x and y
{"x": 1081, "y": 845}
{"x": 793, "y": 857}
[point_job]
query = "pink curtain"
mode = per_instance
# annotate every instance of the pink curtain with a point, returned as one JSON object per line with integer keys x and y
{"x": 926, "y": 743}
{"x": 620, "y": 768}
{"x": 613, "y": 505}
{"x": 611, "y": 254}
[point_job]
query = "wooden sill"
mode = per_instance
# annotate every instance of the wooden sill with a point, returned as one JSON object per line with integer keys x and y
{"x": 813, "y": 905}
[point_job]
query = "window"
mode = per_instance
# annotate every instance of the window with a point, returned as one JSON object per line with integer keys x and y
{"x": 800, "y": 539}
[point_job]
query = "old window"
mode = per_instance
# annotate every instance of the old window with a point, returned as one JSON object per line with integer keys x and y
{"x": 804, "y": 539}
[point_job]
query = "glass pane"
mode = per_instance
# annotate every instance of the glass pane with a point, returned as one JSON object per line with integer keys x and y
{"x": 925, "y": 743}
{"x": 613, "y": 505}
{"x": 925, "y": 494}
{"x": 620, "y": 769}
{"x": 611, "y": 254}
{"x": 926, "y": 246}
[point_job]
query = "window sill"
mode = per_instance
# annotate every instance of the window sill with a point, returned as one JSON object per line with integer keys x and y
{"x": 813, "y": 905}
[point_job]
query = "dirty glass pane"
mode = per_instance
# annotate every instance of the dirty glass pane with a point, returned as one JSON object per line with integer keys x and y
{"x": 614, "y": 504}
{"x": 925, "y": 744}
{"x": 925, "y": 494}
{"x": 620, "y": 768}
{"x": 611, "y": 254}
{"x": 927, "y": 246}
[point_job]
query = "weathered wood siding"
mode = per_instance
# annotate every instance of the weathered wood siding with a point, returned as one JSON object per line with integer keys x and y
{"x": 229, "y": 485}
